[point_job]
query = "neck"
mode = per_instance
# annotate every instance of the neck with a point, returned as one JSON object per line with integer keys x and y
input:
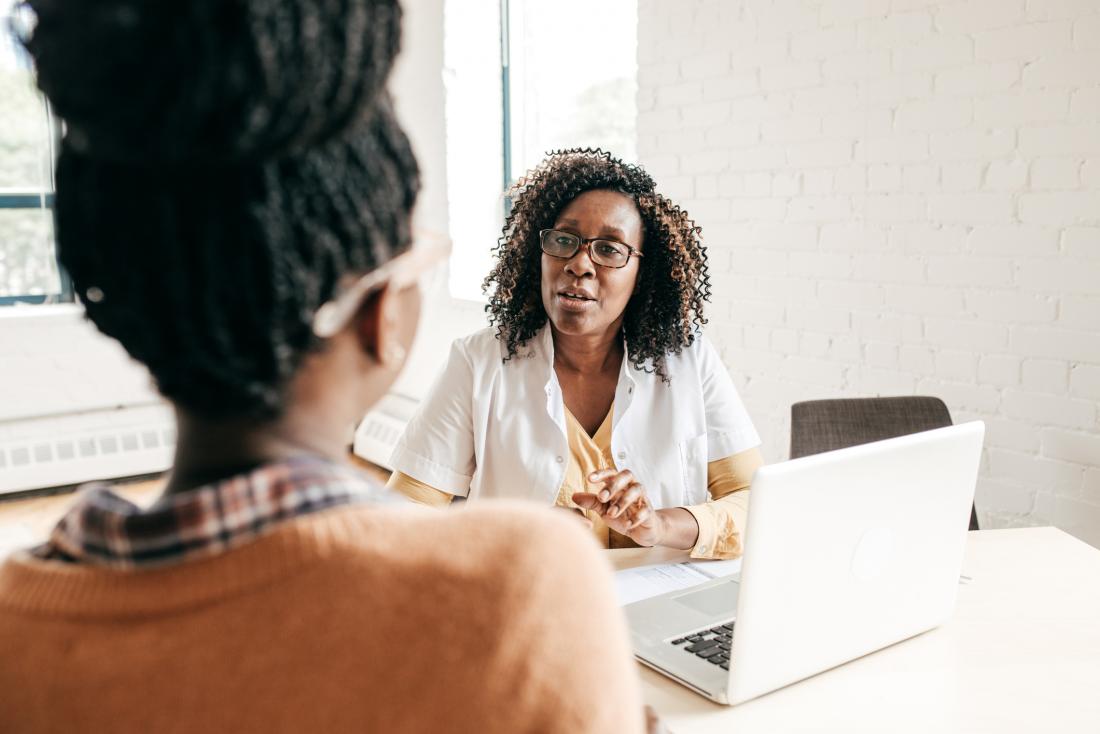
{"x": 208, "y": 450}
{"x": 588, "y": 353}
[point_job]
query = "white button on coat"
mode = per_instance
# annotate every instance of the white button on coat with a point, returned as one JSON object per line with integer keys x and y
{"x": 495, "y": 428}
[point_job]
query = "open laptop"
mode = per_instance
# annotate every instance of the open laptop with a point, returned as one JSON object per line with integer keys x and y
{"x": 845, "y": 552}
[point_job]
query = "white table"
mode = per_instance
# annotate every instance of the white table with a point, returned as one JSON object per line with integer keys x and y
{"x": 1022, "y": 653}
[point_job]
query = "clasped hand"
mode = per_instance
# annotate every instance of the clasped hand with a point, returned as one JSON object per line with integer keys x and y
{"x": 622, "y": 504}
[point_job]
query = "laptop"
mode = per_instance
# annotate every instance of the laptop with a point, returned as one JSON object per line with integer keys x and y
{"x": 845, "y": 552}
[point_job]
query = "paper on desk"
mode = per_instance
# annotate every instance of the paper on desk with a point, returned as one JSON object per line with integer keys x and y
{"x": 635, "y": 584}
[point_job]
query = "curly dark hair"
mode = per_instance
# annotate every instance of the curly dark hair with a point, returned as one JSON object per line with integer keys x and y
{"x": 666, "y": 309}
{"x": 224, "y": 165}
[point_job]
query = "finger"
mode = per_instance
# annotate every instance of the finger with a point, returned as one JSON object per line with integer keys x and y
{"x": 587, "y": 500}
{"x": 607, "y": 477}
{"x": 643, "y": 513}
{"x": 616, "y": 486}
{"x": 623, "y": 503}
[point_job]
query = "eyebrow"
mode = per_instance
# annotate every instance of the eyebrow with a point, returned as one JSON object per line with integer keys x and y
{"x": 607, "y": 232}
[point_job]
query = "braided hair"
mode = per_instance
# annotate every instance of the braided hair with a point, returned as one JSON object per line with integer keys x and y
{"x": 666, "y": 310}
{"x": 225, "y": 163}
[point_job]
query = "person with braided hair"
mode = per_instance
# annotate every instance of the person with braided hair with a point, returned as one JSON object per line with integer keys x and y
{"x": 594, "y": 388}
{"x": 234, "y": 198}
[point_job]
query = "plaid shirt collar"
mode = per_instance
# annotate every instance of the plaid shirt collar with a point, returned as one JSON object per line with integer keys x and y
{"x": 104, "y": 529}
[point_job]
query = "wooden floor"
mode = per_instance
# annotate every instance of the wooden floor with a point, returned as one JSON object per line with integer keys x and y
{"x": 27, "y": 522}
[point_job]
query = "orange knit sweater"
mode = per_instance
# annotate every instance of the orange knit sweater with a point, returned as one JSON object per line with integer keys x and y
{"x": 340, "y": 621}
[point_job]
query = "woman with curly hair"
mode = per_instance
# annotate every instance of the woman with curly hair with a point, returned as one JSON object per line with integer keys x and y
{"x": 594, "y": 388}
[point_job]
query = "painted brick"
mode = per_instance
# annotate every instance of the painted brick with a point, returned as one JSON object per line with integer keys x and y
{"x": 895, "y": 29}
{"x": 1080, "y": 312}
{"x": 704, "y": 114}
{"x": 965, "y": 334}
{"x": 1026, "y": 42}
{"x": 960, "y": 395}
{"x": 733, "y": 135}
{"x": 1058, "y": 9}
{"x": 969, "y": 81}
{"x": 1049, "y": 409}
{"x": 817, "y": 182}
{"x": 1090, "y": 173}
{"x": 705, "y": 161}
{"x": 978, "y": 15}
{"x": 1064, "y": 70}
{"x": 999, "y": 369}
{"x": 790, "y": 76}
{"x": 952, "y": 364}
{"x": 731, "y": 86}
{"x": 892, "y": 208}
{"x": 822, "y": 43}
{"x": 1059, "y": 276}
{"x": 972, "y": 144}
{"x": 935, "y": 114}
{"x": 1085, "y": 104}
{"x": 890, "y": 268}
{"x": 896, "y": 88}
{"x": 1055, "y": 173}
{"x": 971, "y": 208}
{"x": 829, "y": 320}
{"x": 1064, "y": 207}
{"x": 939, "y": 52}
{"x": 705, "y": 66}
{"x": 853, "y": 237}
{"x": 883, "y": 177}
{"x": 819, "y": 209}
{"x": 1045, "y": 375}
{"x": 842, "y": 12}
{"x": 925, "y": 300}
{"x": 850, "y": 179}
{"x": 971, "y": 271}
{"x": 962, "y": 176}
{"x": 1011, "y": 307}
{"x": 1082, "y": 242}
{"x": 1022, "y": 108}
{"x": 794, "y": 129}
{"x": 819, "y": 265}
{"x": 680, "y": 94}
{"x": 706, "y": 187}
{"x": 1014, "y": 240}
{"x": 928, "y": 238}
{"x": 1005, "y": 175}
{"x": 1009, "y": 434}
{"x": 1054, "y": 476}
{"x": 1060, "y": 140}
{"x": 920, "y": 360}
{"x": 825, "y": 99}
{"x": 856, "y": 66}
{"x": 920, "y": 178}
{"x": 874, "y": 382}
{"x": 819, "y": 153}
{"x": 1084, "y": 381}
{"x": 1078, "y": 346}
{"x": 854, "y": 295}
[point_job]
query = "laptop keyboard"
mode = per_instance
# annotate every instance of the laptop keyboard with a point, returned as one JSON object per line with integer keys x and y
{"x": 712, "y": 645}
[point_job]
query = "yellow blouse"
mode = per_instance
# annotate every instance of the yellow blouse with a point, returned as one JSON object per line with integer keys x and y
{"x": 720, "y": 520}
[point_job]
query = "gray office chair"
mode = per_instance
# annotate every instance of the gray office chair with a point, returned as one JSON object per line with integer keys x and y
{"x": 825, "y": 425}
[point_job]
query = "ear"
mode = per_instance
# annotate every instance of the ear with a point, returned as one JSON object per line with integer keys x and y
{"x": 376, "y": 326}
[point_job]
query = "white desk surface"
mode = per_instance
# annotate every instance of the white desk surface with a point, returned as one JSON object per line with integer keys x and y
{"x": 1022, "y": 654}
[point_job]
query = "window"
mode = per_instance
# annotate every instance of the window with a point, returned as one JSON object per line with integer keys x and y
{"x": 524, "y": 77}
{"x": 28, "y": 264}
{"x": 572, "y": 78}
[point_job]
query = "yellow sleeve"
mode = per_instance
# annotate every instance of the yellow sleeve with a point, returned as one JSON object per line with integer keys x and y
{"x": 417, "y": 491}
{"x": 722, "y": 519}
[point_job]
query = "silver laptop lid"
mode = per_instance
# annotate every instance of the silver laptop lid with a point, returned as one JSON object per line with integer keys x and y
{"x": 849, "y": 551}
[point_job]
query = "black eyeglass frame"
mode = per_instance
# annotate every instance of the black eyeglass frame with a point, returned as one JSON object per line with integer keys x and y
{"x": 587, "y": 244}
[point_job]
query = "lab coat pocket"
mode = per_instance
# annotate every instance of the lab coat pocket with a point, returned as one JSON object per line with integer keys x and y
{"x": 693, "y": 463}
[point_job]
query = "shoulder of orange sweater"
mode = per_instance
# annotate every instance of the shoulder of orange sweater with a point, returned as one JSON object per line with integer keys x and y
{"x": 540, "y": 602}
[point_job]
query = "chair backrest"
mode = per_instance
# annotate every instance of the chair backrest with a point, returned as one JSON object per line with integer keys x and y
{"x": 826, "y": 425}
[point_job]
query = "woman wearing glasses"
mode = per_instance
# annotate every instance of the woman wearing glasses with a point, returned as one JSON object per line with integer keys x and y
{"x": 233, "y": 205}
{"x": 594, "y": 388}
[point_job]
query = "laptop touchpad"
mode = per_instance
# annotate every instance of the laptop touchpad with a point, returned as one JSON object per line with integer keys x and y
{"x": 718, "y": 599}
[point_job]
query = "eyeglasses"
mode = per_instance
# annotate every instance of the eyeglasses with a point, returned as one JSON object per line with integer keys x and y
{"x": 428, "y": 250}
{"x": 608, "y": 253}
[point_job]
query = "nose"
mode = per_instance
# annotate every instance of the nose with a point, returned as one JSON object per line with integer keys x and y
{"x": 581, "y": 263}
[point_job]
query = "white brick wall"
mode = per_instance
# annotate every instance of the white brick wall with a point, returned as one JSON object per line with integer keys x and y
{"x": 899, "y": 196}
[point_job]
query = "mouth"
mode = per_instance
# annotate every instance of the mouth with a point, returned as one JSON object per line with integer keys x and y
{"x": 570, "y": 294}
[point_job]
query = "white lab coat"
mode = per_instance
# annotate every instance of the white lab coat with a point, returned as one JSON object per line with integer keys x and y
{"x": 495, "y": 428}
